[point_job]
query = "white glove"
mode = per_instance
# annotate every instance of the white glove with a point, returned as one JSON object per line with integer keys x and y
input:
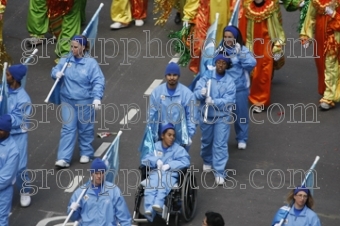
{"x": 302, "y": 4}
{"x": 306, "y": 45}
{"x": 165, "y": 167}
{"x": 159, "y": 164}
{"x": 185, "y": 23}
{"x": 189, "y": 142}
{"x": 208, "y": 100}
{"x": 97, "y": 104}
{"x": 277, "y": 56}
{"x": 204, "y": 91}
{"x": 74, "y": 206}
{"x": 329, "y": 11}
{"x": 237, "y": 48}
{"x": 59, "y": 74}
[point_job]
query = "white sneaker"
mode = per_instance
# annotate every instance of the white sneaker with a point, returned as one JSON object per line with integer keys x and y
{"x": 219, "y": 180}
{"x": 206, "y": 167}
{"x": 25, "y": 200}
{"x": 62, "y": 164}
{"x": 139, "y": 23}
{"x": 157, "y": 208}
{"x": 84, "y": 159}
{"x": 242, "y": 145}
{"x": 117, "y": 25}
{"x": 325, "y": 106}
{"x": 35, "y": 41}
{"x": 148, "y": 212}
{"x": 257, "y": 109}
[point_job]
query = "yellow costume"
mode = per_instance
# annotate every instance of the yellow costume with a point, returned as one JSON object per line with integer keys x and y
{"x": 325, "y": 30}
{"x": 123, "y": 11}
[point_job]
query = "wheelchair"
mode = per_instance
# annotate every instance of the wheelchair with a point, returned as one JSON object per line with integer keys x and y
{"x": 180, "y": 202}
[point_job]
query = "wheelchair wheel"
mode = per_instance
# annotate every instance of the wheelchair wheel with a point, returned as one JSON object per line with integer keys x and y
{"x": 189, "y": 195}
{"x": 177, "y": 217}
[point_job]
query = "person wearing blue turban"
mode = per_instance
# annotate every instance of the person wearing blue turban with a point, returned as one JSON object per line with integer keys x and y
{"x": 19, "y": 107}
{"x": 216, "y": 129}
{"x": 102, "y": 204}
{"x": 82, "y": 88}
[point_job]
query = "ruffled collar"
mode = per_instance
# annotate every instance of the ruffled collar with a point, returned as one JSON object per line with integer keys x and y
{"x": 260, "y": 12}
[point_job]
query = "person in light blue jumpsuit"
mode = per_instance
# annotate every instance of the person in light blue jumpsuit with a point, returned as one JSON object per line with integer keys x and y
{"x": 173, "y": 101}
{"x": 301, "y": 212}
{"x": 242, "y": 63}
{"x": 168, "y": 158}
{"x": 215, "y": 131}
{"x": 19, "y": 107}
{"x": 9, "y": 161}
{"x": 82, "y": 88}
{"x": 102, "y": 204}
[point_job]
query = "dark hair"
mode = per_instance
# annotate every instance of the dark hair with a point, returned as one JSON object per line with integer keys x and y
{"x": 214, "y": 219}
{"x": 239, "y": 38}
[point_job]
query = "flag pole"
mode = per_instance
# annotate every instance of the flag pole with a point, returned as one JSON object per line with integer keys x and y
{"x": 92, "y": 19}
{"x": 3, "y": 81}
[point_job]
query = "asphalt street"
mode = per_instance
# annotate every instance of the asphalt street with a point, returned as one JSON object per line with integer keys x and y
{"x": 281, "y": 139}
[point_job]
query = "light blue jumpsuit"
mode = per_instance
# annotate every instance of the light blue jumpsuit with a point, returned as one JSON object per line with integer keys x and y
{"x": 160, "y": 100}
{"x": 82, "y": 83}
{"x": 307, "y": 217}
{"x": 241, "y": 63}
{"x": 178, "y": 158}
{"x": 19, "y": 108}
{"x": 9, "y": 161}
{"x": 107, "y": 209}
{"x": 215, "y": 133}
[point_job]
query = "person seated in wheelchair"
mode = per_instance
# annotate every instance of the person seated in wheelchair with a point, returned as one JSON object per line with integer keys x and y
{"x": 167, "y": 159}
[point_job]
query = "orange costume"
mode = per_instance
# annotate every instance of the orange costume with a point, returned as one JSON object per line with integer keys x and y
{"x": 264, "y": 37}
{"x": 325, "y": 29}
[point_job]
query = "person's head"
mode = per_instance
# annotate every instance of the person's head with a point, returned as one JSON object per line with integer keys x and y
{"x": 5, "y": 126}
{"x": 168, "y": 135}
{"x": 79, "y": 45}
{"x": 222, "y": 63}
{"x": 301, "y": 196}
{"x": 231, "y": 36}
{"x": 172, "y": 73}
{"x": 213, "y": 219}
{"x": 15, "y": 73}
{"x": 98, "y": 168}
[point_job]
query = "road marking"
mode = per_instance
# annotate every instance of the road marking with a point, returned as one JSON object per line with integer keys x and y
{"x": 129, "y": 116}
{"x": 153, "y": 85}
{"x": 176, "y": 58}
{"x": 74, "y": 184}
{"x": 102, "y": 148}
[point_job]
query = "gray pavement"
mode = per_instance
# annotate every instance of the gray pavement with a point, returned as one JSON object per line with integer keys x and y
{"x": 290, "y": 143}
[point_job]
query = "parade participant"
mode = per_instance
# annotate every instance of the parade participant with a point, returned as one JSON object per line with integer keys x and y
{"x": 242, "y": 62}
{"x": 19, "y": 107}
{"x": 170, "y": 157}
{"x": 263, "y": 25}
{"x": 62, "y": 18}
{"x": 301, "y": 212}
{"x": 173, "y": 101}
{"x": 213, "y": 219}
{"x": 102, "y": 203}
{"x": 3, "y": 4}
{"x": 9, "y": 160}
{"x": 215, "y": 131}
{"x": 321, "y": 25}
{"x": 82, "y": 86}
{"x": 124, "y": 11}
